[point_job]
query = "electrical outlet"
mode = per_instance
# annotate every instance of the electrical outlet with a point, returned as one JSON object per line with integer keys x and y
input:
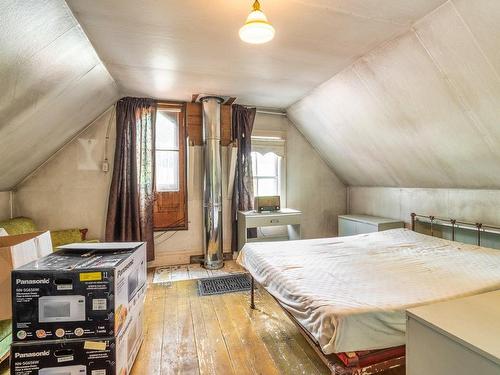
{"x": 105, "y": 166}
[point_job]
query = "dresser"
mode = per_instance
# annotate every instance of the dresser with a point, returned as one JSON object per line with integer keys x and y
{"x": 252, "y": 219}
{"x": 350, "y": 225}
{"x": 458, "y": 337}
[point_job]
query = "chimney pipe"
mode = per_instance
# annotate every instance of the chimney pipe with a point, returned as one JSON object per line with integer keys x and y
{"x": 212, "y": 184}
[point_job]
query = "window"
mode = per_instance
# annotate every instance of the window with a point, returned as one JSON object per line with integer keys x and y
{"x": 268, "y": 164}
{"x": 170, "y": 208}
{"x": 266, "y": 174}
{"x": 167, "y": 149}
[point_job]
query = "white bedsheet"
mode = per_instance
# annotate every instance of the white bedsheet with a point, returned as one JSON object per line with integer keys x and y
{"x": 351, "y": 293}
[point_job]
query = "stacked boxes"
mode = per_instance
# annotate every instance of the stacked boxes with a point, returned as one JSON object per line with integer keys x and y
{"x": 79, "y": 310}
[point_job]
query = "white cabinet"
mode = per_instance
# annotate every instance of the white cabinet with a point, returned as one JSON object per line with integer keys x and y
{"x": 252, "y": 219}
{"x": 350, "y": 225}
{"x": 458, "y": 337}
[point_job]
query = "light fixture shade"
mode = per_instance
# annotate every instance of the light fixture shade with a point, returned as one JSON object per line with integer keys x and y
{"x": 257, "y": 29}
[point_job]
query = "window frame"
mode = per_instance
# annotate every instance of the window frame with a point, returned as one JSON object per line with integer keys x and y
{"x": 264, "y": 141}
{"x": 162, "y": 199}
{"x": 178, "y": 149}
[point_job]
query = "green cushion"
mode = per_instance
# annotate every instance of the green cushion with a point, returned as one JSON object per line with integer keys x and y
{"x": 5, "y": 336}
{"x": 64, "y": 237}
{"x": 18, "y": 225}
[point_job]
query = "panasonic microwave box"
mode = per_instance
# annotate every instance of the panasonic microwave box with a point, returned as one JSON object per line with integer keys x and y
{"x": 15, "y": 251}
{"x": 78, "y": 292}
{"x": 90, "y": 356}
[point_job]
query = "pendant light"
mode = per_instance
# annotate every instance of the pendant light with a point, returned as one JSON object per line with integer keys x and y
{"x": 257, "y": 29}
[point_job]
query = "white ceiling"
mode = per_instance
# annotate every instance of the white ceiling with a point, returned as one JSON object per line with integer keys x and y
{"x": 422, "y": 110}
{"x": 173, "y": 49}
{"x": 52, "y": 84}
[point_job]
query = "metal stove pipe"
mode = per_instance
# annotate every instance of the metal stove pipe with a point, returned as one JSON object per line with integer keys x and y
{"x": 212, "y": 184}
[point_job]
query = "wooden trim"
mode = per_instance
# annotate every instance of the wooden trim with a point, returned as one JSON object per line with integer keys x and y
{"x": 182, "y": 224}
{"x": 231, "y": 100}
{"x": 194, "y": 124}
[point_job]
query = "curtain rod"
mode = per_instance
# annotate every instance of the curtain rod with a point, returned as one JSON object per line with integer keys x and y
{"x": 268, "y": 112}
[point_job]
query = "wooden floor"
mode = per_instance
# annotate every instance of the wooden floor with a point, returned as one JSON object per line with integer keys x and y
{"x": 220, "y": 335}
{"x": 193, "y": 272}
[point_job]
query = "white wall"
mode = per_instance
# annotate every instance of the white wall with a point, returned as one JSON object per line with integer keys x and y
{"x": 398, "y": 203}
{"x": 421, "y": 110}
{"x": 70, "y": 190}
{"x": 53, "y": 84}
{"x": 311, "y": 185}
{"x": 4, "y": 205}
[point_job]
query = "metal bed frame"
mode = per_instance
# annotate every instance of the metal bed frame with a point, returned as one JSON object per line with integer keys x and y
{"x": 454, "y": 224}
{"x": 332, "y": 361}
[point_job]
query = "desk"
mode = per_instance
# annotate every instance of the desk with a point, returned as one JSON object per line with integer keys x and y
{"x": 252, "y": 219}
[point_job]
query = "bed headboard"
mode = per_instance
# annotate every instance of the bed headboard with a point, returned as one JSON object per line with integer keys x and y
{"x": 480, "y": 230}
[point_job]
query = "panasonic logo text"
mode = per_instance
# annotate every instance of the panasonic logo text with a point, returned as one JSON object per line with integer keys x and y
{"x": 38, "y": 281}
{"x": 32, "y": 354}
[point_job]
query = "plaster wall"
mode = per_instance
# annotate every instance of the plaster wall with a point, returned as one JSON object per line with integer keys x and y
{"x": 53, "y": 84}
{"x": 70, "y": 190}
{"x": 311, "y": 186}
{"x": 4, "y": 205}
{"x": 420, "y": 110}
{"x": 472, "y": 205}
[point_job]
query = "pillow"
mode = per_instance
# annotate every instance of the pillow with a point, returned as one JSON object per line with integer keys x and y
{"x": 3, "y": 232}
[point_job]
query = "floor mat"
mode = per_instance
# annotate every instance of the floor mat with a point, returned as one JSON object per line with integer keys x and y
{"x": 224, "y": 284}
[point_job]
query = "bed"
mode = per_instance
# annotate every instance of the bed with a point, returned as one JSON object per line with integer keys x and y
{"x": 349, "y": 294}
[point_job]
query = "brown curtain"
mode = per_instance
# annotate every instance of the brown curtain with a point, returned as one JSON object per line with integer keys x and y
{"x": 131, "y": 196}
{"x": 242, "y": 125}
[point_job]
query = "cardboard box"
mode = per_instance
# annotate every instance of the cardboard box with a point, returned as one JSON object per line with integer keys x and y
{"x": 16, "y": 251}
{"x": 92, "y": 356}
{"x": 78, "y": 292}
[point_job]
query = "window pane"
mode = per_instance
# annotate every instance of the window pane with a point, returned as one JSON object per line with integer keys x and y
{"x": 254, "y": 163}
{"x": 167, "y": 170}
{"x": 267, "y": 165}
{"x": 268, "y": 186}
{"x": 167, "y": 130}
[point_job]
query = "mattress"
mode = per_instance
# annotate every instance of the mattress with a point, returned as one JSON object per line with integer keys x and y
{"x": 351, "y": 293}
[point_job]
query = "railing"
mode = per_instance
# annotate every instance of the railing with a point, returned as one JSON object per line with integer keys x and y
{"x": 454, "y": 225}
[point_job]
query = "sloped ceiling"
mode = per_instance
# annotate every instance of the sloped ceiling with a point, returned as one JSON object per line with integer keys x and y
{"x": 422, "y": 110}
{"x": 173, "y": 49}
{"x": 53, "y": 84}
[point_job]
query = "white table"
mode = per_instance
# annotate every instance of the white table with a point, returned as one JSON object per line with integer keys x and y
{"x": 457, "y": 337}
{"x": 252, "y": 219}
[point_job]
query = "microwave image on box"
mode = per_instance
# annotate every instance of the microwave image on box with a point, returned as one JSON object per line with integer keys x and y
{"x": 67, "y": 370}
{"x": 63, "y": 308}
{"x": 75, "y": 293}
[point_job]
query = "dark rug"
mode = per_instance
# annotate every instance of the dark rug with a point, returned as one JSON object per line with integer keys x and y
{"x": 224, "y": 284}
